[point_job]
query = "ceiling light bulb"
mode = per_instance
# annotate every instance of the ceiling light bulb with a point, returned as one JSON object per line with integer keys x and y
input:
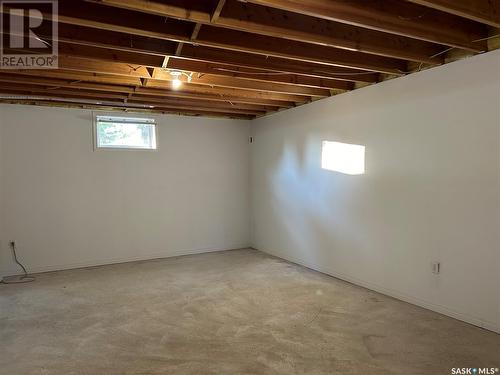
{"x": 176, "y": 83}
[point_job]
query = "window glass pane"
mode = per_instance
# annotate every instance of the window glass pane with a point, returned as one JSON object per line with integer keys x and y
{"x": 123, "y": 132}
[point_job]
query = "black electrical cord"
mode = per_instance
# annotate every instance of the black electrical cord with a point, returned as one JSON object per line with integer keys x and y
{"x": 25, "y": 278}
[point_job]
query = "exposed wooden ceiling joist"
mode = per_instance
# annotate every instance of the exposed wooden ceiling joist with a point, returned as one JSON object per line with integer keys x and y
{"x": 132, "y": 43}
{"x": 293, "y": 26}
{"x": 136, "y": 96}
{"x": 242, "y": 59}
{"x": 484, "y": 11}
{"x": 92, "y": 15}
{"x": 127, "y": 66}
{"x": 61, "y": 102}
{"x": 165, "y": 85}
{"x": 392, "y": 16}
{"x": 136, "y": 60}
{"x": 182, "y": 105}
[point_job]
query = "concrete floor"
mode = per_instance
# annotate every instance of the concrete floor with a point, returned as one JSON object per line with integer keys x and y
{"x": 237, "y": 312}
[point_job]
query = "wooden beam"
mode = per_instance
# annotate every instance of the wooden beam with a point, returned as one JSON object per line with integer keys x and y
{"x": 89, "y": 59}
{"x": 132, "y": 43}
{"x": 125, "y": 107}
{"x": 152, "y": 26}
{"x": 227, "y": 91}
{"x": 222, "y": 92}
{"x": 138, "y": 60}
{"x": 57, "y": 83}
{"x": 269, "y": 63}
{"x": 180, "y": 45}
{"x": 61, "y": 92}
{"x": 242, "y": 83}
{"x": 269, "y": 46}
{"x": 90, "y": 63}
{"x": 178, "y": 50}
{"x": 71, "y": 77}
{"x": 277, "y": 23}
{"x": 294, "y": 26}
{"x": 197, "y": 101}
{"x": 146, "y": 102}
{"x": 196, "y": 31}
{"x": 483, "y": 11}
{"x": 217, "y": 11}
{"x": 254, "y": 74}
{"x": 392, "y": 16}
{"x": 133, "y": 59}
{"x": 230, "y": 98}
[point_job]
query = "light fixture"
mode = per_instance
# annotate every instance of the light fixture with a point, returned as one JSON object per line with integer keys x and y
{"x": 176, "y": 75}
{"x": 176, "y": 82}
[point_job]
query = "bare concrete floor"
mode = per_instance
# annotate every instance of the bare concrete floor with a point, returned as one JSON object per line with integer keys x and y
{"x": 237, "y": 312}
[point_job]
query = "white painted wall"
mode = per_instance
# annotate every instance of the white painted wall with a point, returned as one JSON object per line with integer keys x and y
{"x": 68, "y": 206}
{"x": 431, "y": 191}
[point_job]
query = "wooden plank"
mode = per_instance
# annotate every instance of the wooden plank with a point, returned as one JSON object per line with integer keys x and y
{"x": 198, "y": 100}
{"x": 183, "y": 103}
{"x": 294, "y": 26}
{"x": 178, "y": 50}
{"x": 126, "y": 107}
{"x": 51, "y": 83}
{"x": 133, "y": 69}
{"x": 484, "y": 11}
{"x": 75, "y": 12}
{"x": 105, "y": 54}
{"x": 269, "y": 63}
{"x": 277, "y": 23}
{"x": 91, "y": 60}
{"x": 88, "y": 65}
{"x": 222, "y": 92}
{"x": 55, "y": 82}
{"x": 242, "y": 83}
{"x": 132, "y": 43}
{"x": 268, "y": 46}
{"x": 226, "y": 91}
{"x": 199, "y": 67}
{"x": 180, "y": 45}
{"x": 391, "y": 16}
{"x": 190, "y": 106}
{"x": 152, "y": 26}
{"x": 72, "y": 76}
{"x": 62, "y": 92}
{"x": 254, "y": 74}
{"x": 196, "y": 31}
{"x": 218, "y": 9}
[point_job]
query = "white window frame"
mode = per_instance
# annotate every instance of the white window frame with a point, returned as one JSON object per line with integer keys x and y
{"x": 126, "y": 115}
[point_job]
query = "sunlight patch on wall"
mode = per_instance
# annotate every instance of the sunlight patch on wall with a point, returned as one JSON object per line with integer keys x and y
{"x": 343, "y": 157}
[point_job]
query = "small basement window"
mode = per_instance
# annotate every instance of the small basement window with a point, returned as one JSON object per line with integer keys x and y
{"x": 122, "y": 132}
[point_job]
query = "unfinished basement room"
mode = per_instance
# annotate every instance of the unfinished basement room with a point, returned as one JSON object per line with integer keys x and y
{"x": 250, "y": 187}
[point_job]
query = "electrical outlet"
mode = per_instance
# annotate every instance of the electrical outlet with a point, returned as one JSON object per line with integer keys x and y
{"x": 436, "y": 268}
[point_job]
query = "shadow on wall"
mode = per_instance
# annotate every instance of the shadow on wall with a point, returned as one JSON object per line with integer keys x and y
{"x": 302, "y": 189}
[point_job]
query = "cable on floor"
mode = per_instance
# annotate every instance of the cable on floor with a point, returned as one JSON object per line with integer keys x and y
{"x": 18, "y": 279}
